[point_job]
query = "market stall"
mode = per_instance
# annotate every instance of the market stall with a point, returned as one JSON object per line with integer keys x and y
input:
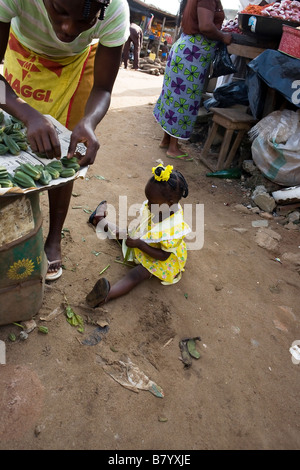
{"x": 157, "y": 25}
{"x": 268, "y": 40}
{"x": 257, "y": 28}
{"x": 23, "y": 176}
{"x": 266, "y": 48}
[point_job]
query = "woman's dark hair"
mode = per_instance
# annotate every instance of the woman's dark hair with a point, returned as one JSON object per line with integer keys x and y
{"x": 176, "y": 182}
{"x": 102, "y": 5}
{"x": 180, "y": 13}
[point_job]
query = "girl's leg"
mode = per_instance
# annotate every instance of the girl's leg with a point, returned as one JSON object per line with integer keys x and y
{"x": 134, "y": 277}
{"x": 102, "y": 224}
{"x": 109, "y": 228}
{"x": 102, "y": 292}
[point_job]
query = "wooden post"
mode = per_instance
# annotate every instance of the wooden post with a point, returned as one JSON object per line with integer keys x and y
{"x": 159, "y": 42}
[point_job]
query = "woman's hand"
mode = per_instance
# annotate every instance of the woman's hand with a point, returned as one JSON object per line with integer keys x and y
{"x": 42, "y": 135}
{"x": 227, "y": 38}
{"x": 83, "y": 132}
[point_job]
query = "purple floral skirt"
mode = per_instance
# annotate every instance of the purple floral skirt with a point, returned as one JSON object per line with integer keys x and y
{"x": 177, "y": 107}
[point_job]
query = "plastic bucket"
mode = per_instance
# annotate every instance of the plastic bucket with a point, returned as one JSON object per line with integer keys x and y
{"x": 290, "y": 41}
{"x": 23, "y": 262}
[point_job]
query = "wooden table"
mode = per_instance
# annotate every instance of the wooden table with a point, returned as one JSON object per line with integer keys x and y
{"x": 273, "y": 99}
{"x": 249, "y": 52}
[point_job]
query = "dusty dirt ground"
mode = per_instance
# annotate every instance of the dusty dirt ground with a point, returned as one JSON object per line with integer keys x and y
{"x": 243, "y": 392}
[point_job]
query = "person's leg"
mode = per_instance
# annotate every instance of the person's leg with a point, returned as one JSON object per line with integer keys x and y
{"x": 134, "y": 277}
{"x": 126, "y": 52}
{"x": 136, "y": 52}
{"x": 113, "y": 231}
{"x": 165, "y": 142}
{"x": 174, "y": 150}
{"x": 102, "y": 292}
{"x": 59, "y": 199}
{"x": 99, "y": 219}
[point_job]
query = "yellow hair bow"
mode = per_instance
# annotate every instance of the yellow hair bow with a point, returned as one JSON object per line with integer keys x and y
{"x": 161, "y": 173}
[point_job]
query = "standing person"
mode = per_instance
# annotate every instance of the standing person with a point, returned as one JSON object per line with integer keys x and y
{"x": 188, "y": 63}
{"x": 61, "y": 58}
{"x": 136, "y": 37}
{"x": 164, "y": 51}
{"x": 158, "y": 244}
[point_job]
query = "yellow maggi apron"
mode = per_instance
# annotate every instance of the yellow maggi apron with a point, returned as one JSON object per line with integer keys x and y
{"x": 59, "y": 87}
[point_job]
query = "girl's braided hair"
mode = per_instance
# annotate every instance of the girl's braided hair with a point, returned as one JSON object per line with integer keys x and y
{"x": 102, "y": 6}
{"x": 176, "y": 181}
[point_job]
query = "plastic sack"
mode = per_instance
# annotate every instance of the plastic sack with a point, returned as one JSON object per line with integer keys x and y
{"x": 276, "y": 147}
{"x": 275, "y": 70}
{"x": 257, "y": 92}
{"x": 222, "y": 63}
{"x": 227, "y": 95}
{"x": 278, "y": 71}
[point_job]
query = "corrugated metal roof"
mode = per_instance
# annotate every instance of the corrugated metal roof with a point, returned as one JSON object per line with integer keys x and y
{"x": 138, "y": 6}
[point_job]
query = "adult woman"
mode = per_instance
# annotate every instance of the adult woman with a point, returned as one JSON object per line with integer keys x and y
{"x": 188, "y": 62}
{"x": 61, "y": 58}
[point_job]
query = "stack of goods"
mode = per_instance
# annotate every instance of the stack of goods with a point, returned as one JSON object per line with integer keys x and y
{"x": 231, "y": 26}
{"x": 286, "y": 10}
{"x": 23, "y": 172}
{"x": 153, "y": 67}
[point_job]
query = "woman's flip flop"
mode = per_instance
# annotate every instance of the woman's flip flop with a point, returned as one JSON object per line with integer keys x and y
{"x": 55, "y": 274}
{"x": 184, "y": 157}
{"x": 99, "y": 293}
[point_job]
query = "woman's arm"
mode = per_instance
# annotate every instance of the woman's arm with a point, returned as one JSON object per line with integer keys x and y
{"x": 107, "y": 62}
{"x": 209, "y": 29}
{"x": 155, "y": 253}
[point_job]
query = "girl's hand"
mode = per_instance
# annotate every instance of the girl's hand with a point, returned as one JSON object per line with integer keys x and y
{"x": 83, "y": 132}
{"x": 134, "y": 242}
{"x": 42, "y": 136}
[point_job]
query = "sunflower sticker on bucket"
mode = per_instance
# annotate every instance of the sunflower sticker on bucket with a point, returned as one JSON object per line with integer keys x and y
{"x": 21, "y": 269}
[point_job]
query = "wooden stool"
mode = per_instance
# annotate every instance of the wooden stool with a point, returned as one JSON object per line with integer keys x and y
{"x": 232, "y": 119}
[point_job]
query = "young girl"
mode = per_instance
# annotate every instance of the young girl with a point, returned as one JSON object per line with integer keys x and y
{"x": 158, "y": 245}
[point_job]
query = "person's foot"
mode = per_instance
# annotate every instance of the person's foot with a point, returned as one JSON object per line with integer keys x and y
{"x": 180, "y": 156}
{"x": 99, "y": 213}
{"x": 53, "y": 253}
{"x": 164, "y": 144}
{"x": 54, "y": 270}
{"x": 99, "y": 293}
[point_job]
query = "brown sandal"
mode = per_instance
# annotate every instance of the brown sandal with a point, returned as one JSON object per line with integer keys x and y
{"x": 99, "y": 293}
{"x": 94, "y": 217}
